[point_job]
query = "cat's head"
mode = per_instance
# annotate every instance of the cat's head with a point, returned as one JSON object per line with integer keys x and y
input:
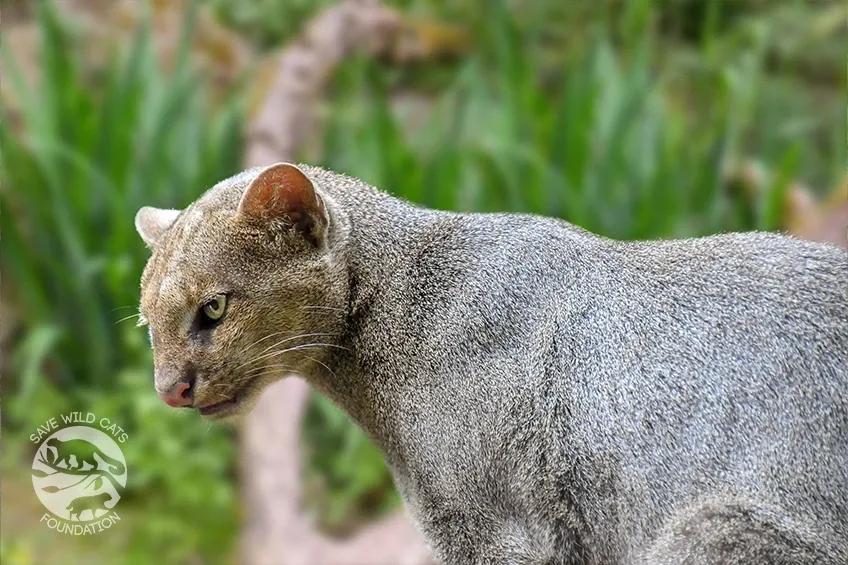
{"x": 244, "y": 286}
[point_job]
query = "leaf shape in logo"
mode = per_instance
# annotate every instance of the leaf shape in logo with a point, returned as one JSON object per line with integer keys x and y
{"x": 51, "y": 488}
{"x": 39, "y": 474}
{"x": 98, "y": 482}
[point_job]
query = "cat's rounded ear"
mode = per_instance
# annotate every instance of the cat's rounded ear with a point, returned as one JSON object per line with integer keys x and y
{"x": 152, "y": 223}
{"x": 284, "y": 192}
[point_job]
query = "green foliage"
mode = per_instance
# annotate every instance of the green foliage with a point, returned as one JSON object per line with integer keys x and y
{"x": 347, "y": 482}
{"x": 601, "y": 140}
{"x": 267, "y": 22}
{"x": 91, "y": 154}
{"x": 81, "y": 154}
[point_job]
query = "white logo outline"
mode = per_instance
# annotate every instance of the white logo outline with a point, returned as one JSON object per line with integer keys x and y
{"x": 79, "y": 473}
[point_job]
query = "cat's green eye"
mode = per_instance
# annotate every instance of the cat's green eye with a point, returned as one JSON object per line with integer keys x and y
{"x": 214, "y": 309}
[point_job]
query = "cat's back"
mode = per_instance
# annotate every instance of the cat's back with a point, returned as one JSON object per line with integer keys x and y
{"x": 755, "y": 295}
{"x": 525, "y": 270}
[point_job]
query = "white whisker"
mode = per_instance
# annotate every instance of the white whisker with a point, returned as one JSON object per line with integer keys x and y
{"x": 125, "y": 318}
{"x": 270, "y": 335}
{"x": 295, "y": 348}
{"x": 323, "y": 365}
{"x": 261, "y": 354}
{"x": 323, "y": 308}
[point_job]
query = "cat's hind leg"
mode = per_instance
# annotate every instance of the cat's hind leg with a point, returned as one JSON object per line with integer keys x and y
{"x": 736, "y": 531}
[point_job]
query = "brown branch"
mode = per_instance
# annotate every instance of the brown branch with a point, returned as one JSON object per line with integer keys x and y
{"x": 286, "y": 121}
{"x": 276, "y": 530}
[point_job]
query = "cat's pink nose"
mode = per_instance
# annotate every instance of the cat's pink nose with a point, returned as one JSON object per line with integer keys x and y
{"x": 181, "y": 394}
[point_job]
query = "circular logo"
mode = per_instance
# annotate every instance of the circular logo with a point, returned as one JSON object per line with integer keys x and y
{"x": 78, "y": 473}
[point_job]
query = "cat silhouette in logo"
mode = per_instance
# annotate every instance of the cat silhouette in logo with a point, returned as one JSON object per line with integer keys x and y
{"x": 82, "y": 452}
{"x": 91, "y": 503}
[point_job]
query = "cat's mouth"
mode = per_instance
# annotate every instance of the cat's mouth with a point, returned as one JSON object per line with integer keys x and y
{"x": 226, "y": 408}
{"x": 240, "y": 401}
{"x": 219, "y": 409}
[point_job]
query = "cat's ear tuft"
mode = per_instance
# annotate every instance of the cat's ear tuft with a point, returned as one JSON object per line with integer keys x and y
{"x": 284, "y": 192}
{"x": 152, "y": 223}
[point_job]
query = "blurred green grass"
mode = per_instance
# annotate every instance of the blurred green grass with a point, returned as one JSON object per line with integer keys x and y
{"x": 79, "y": 157}
{"x": 619, "y": 117}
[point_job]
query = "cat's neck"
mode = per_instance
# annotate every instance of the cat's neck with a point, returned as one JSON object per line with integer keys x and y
{"x": 383, "y": 242}
{"x": 384, "y": 239}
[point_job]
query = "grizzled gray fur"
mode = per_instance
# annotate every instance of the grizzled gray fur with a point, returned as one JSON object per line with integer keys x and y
{"x": 542, "y": 394}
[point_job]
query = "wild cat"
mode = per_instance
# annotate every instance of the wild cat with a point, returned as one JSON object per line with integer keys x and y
{"x": 541, "y": 394}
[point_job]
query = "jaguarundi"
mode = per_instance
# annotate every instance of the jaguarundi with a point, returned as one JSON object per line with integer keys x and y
{"x": 541, "y": 394}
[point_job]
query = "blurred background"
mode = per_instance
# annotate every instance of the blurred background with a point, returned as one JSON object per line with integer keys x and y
{"x": 633, "y": 119}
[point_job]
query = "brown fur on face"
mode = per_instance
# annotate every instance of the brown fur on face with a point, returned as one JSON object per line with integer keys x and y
{"x": 281, "y": 269}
